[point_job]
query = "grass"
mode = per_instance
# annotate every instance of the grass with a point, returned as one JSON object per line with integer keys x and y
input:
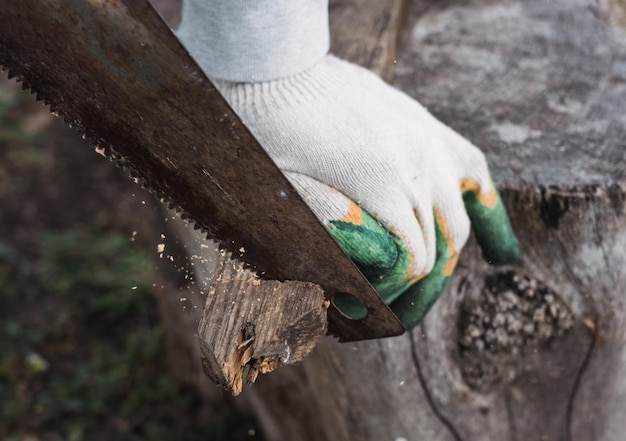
{"x": 82, "y": 353}
{"x": 81, "y": 344}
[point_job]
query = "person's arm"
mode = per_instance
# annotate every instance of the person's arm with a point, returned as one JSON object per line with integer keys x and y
{"x": 395, "y": 187}
{"x": 255, "y": 40}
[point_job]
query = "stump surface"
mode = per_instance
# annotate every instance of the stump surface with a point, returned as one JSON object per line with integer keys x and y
{"x": 539, "y": 86}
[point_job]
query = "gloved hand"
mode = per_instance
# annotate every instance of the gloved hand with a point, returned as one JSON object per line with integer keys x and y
{"x": 396, "y": 188}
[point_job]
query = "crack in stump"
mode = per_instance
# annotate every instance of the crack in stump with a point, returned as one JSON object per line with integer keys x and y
{"x": 579, "y": 375}
{"x": 431, "y": 402}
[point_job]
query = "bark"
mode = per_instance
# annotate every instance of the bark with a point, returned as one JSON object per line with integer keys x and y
{"x": 366, "y": 32}
{"x": 535, "y": 350}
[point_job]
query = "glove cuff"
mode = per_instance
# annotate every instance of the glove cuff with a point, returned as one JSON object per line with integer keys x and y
{"x": 255, "y": 40}
{"x": 254, "y": 100}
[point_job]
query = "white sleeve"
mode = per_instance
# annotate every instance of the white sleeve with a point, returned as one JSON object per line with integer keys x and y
{"x": 255, "y": 40}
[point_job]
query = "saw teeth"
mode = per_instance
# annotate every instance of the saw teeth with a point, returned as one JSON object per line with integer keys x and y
{"x": 229, "y": 249}
{"x": 13, "y": 75}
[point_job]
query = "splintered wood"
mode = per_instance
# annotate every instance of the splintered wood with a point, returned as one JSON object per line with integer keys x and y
{"x": 256, "y": 325}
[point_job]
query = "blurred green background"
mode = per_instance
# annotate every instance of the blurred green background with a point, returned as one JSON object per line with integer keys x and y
{"x": 82, "y": 354}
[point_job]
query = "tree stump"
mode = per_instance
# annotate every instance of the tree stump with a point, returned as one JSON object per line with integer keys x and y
{"x": 535, "y": 350}
{"x": 531, "y": 351}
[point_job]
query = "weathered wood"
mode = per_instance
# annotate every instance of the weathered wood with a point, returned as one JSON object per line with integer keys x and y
{"x": 367, "y": 32}
{"x": 540, "y": 86}
{"x": 613, "y": 12}
{"x": 260, "y": 324}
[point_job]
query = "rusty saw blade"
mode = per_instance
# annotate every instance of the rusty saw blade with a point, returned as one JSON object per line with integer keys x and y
{"x": 115, "y": 71}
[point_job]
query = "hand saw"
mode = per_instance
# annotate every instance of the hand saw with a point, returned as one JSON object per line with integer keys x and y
{"x": 116, "y": 72}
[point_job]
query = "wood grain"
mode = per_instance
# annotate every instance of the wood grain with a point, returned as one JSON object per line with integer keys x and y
{"x": 366, "y": 32}
{"x": 255, "y": 324}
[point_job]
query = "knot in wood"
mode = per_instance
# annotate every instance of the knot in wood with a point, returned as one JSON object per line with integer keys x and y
{"x": 512, "y": 313}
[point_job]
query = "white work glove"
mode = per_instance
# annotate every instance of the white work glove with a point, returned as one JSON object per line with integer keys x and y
{"x": 392, "y": 184}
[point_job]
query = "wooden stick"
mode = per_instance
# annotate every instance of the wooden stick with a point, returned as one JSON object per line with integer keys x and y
{"x": 257, "y": 324}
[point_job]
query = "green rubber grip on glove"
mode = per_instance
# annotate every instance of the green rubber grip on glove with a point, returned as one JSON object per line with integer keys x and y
{"x": 365, "y": 241}
{"x": 494, "y": 235}
{"x": 417, "y": 300}
{"x": 383, "y": 259}
{"x": 491, "y": 224}
{"x": 378, "y": 253}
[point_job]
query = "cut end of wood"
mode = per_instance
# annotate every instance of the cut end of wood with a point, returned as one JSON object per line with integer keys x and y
{"x": 251, "y": 327}
{"x": 243, "y": 358}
